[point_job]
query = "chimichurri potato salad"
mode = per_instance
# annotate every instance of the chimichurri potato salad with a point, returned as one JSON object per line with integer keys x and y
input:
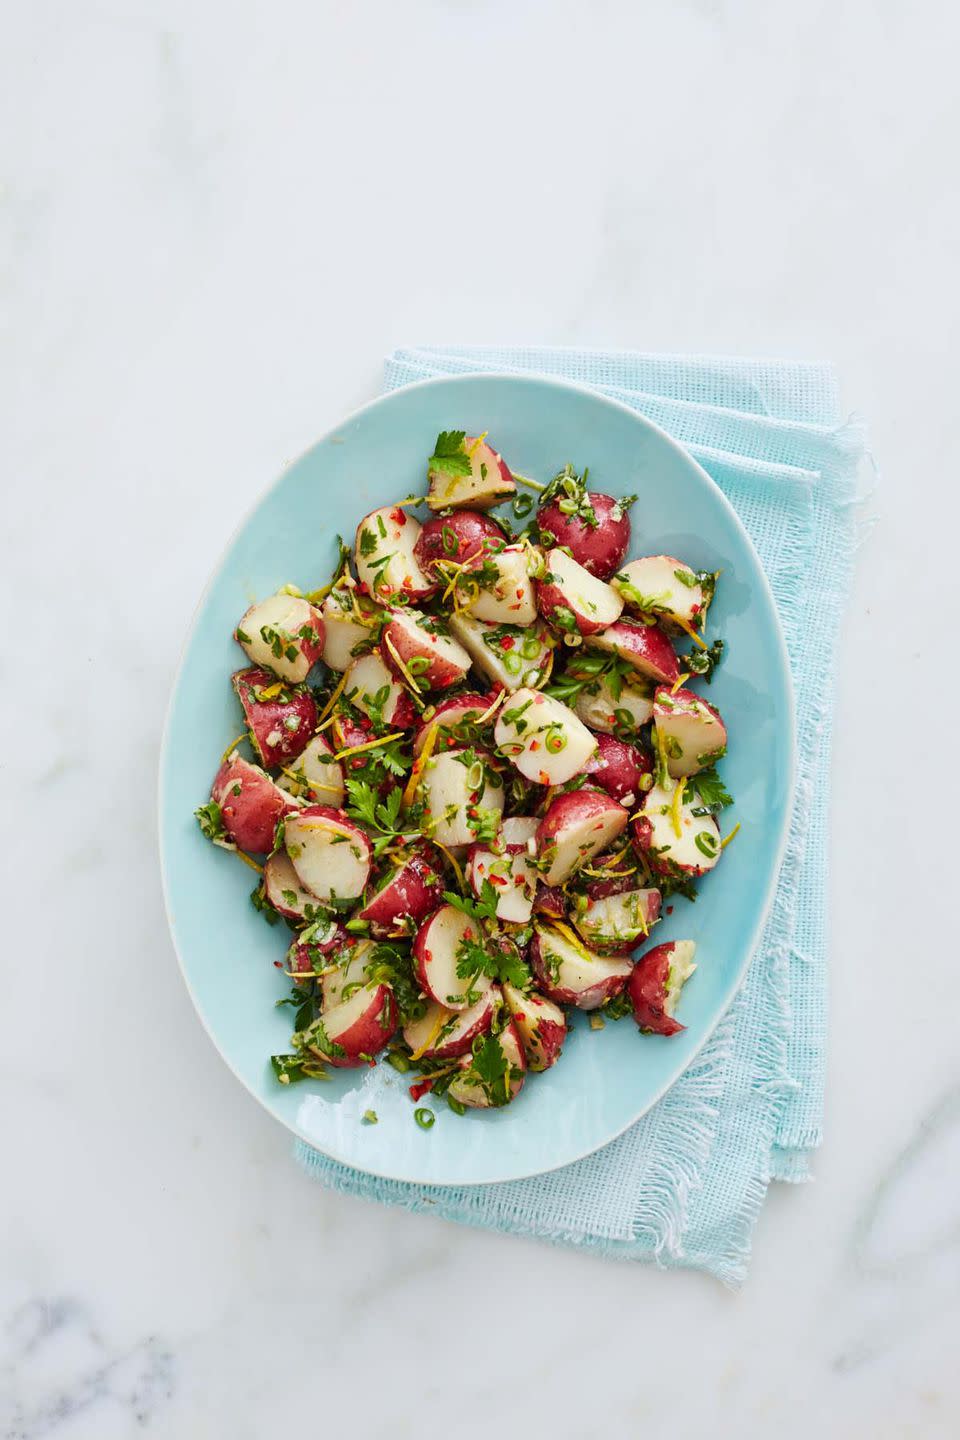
{"x": 476, "y": 770}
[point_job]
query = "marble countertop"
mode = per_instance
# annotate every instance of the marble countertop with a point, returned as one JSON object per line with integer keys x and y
{"x": 215, "y": 220}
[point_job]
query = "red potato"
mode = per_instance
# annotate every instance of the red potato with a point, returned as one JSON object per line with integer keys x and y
{"x": 250, "y": 804}
{"x": 693, "y": 852}
{"x": 506, "y": 654}
{"x": 541, "y": 1025}
{"x": 469, "y": 1089}
{"x": 599, "y": 548}
{"x": 433, "y": 660}
{"x": 504, "y": 598}
{"x": 692, "y": 734}
{"x": 570, "y": 974}
{"x": 605, "y": 711}
{"x": 454, "y": 539}
{"x": 654, "y": 987}
{"x": 314, "y": 775}
{"x": 573, "y": 601}
{"x": 578, "y": 825}
{"x": 344, "y": 633}
{"x": 408, "y": 893}
{"x": 620, "y": 769}
{"x": 460, "y": 799}
{"x": 663, "y": 586}
{"x": 355, "y": 1030}
{"x": 365, "y": 679}
{"x": 385, "y": 556}
{"x": 280, "y": 720}
{"x": 282, "y": 887}
{"x": 318, "y": 945}
{"x": 331, "y": 855}
{"x": 511, "y": 872}
{"x": 488, "y": 483}
{"x": 444, "y": 1034}
{"x": 645, "y": 647}
{"x": 614, "y": 923}
{"x": 457, "y": 721}
{"x": 285, "y": 634}
{"x": 551, "y": 902}
{"x": 543, "y": 738}
{"x": 345, "y": 971}
{"x": 435, "y": 953}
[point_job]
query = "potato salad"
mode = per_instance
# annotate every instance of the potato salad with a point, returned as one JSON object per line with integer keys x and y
{"x": 475, "y": 770}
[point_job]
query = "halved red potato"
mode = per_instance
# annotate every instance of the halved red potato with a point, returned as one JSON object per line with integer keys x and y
{"x": 282, "y": 887}
{"x": 250, "y": 803}
{"x": 541, "y": 1025}
{"x": 408, "y": 892}
{"x": 366, "y": 679}
{"x": 355, "y": 1030}
{"x": 645, "y": 647}
{"x": 577, "y": 825}
{"x": 316, "y": 946}
{"x": 280, "y": 720}
{"x": 330, "y": 853}
{"x": 543, "y": 738}
{"x": 574, "y": 602}
{"x": 456, "y": 720}
{"x": 505, "y": 597}
{"x": 551, "y": 902}
{"x": 283, "y": 633}
{"x": 346, "y": 972}
{"x": 694, "y": 851}
{"x": 692, "y": 734}
{"x": 616, "y": 923}
{"x": 654, "y": 987}
{"x": 455, "y": 539}
{"x": 599, "y": 548}
{"x": 623, "y": 770}
{"x": 433, "y": 659}
{"x": 570, "y": 974}
{"x": 663, "y": 586}
{"x": 443, "y": 1034}
{"x": 511, "y": 872}
{"x": 488, "y": 482}
{"x": 462, "y": 796}
{"x": 506, "y": 654}
{"x": 435, "y": 953}
{"x": 344, "y": 633}
{"x": 598, "y": 705}
{"x": 470, "y": 1089}
{"x": 384, "y": 554}
{"x": 314, "y": 775}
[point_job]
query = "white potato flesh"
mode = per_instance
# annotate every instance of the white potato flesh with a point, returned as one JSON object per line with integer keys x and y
{"x": 311, "y": 777}
{"x": 543, "y": 738}
{"x": 443, "y": 1029}
{"x": 513, "y": 876}
{"x": 692, "y": 733}
{"x": 283, "y": 615}
{"x": 579, "y": 839}
{"x": 341, "y": 632}
{"x": 392, "y": 533}
{"x": 350, "y": 971}
{"x": 437, "y": 946}
{"x": 509, "y": 600}
{"x": 451, "y": 791}
{"x": 599, "y": 710}
{"x": 651, "y": 584}
{"x": 681, "y": 968}
{"x": 471, "y": 1092}
{"x": 488, "y": 483}
{"x": 520, "y": 830}
{"x": 524, "y": 661}
{"x": 683, "y": 849}
{"x": 331, "y": 857}
{"x": 586, "y": 976}
{"x": 448, "y": 659}
{"x": 281, "y": 886}
{"x": 365, "y": 679}
{"x": 536, "y": 1017}
{"x": 618, "y": 920}
{"x": 590, "y": 599}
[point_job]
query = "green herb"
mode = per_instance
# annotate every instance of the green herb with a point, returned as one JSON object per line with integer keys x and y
{"x": 564, "y": 619}
{"x": 210, "y": 819}
{"x": 704, "y": 662}
{"x": 424, "y": 1118}
{"x": 399, "y": 1061}
{"x": 522, "y": 505}
{"x": 370, "y": 1117}
{"x": 491, "y": 1069}
{"x": 318, "y": 1039}
{"x": 568, "y": 491}
{"x": 242, "y": 636}
{"x": 449, "y": 456}
{"x": 710, "y": 789}
{"x": 368, "y": 542}
{"x": 484, "y": 908}
{"x": 260, "y": 902}
{"x": 289, "y": 1069}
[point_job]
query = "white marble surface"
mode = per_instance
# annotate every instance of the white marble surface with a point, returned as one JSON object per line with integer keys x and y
{"x": 215, "y": 219}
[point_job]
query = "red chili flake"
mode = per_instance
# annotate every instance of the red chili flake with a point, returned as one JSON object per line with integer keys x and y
{"x": 496, "y": 879}
{"x": 519, "y": 596}
{"x": 278, "y": 964}
{"x": 398, "y": 517}
{"x": 421, "y": 1088}
{"x": 468, "y": 933}
{"x": 669, "y": 909}
{"x": 534, "y": 744}
{"x": 507, "y": 642}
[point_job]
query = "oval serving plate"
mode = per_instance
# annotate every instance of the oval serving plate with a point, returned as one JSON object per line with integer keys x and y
{"x": 606, "y": 1079}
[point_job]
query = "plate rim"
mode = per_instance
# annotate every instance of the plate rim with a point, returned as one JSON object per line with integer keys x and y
{"x": 749, "y": 949}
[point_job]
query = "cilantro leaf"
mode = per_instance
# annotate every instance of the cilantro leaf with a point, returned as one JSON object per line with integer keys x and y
{"x": 449, "y": 456}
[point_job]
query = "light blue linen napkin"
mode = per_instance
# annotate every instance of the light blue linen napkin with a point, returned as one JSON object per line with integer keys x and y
{"x": 683, "y": 1187}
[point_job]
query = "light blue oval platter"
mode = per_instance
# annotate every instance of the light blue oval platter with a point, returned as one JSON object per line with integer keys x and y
{"x": 605, "y": 1079}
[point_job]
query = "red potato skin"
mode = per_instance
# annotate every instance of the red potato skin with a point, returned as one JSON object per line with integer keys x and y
{"x": 550, "y": 596}
{"x": 601, "y": 551}
{"x": 405, "y": 715}
{"x": 583, "y": 999}
{"x": 650, "y": 649}
{"x": 455, "y": 1048}
{"x": 574, "y": 807}
{"x": 474, "y": 532}
{"x": 368, "y": 1035}
{"x": 440, "y": 675}
{"x": 550, "y": 901}
{"x": 250, "y": 818}
{"x": 298, "y": 956}
{"x": 266, "y": 717}
{"x": 415, "y": 890}
{"x": 550, "y": 1033}
{"x": 647, "y": 988}
{"x": 619, "y": 768}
